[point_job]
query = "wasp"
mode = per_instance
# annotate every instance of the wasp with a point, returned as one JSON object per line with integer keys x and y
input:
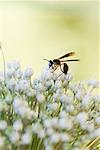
{"x": 55, "y": 63}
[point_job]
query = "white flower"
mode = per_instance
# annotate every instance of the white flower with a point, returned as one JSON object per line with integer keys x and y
{"x": 82, "y": 117}
{"x": 26, "y": 138}
{"x": 63, "y": 114}
{"x": 10, "y": 73}
{"x": 18, "y": 74}
{"x": 65, "y": 109}
{"x": 70, "y": 108}
{"x": 40, "y": 87}
{"x": 89, "y": 127}
{"x": 14, "y": 136}
{"x": 37, "y": 127}
{"x": 69, "y": 76}
{"x": 11, "y": 84}
{"x": 49, "y": 147}
{"x": 58, "y": 84}
{"x": 28, "y": 129}
{"x": 28, "y": 73}
{"x": 14, "y": 65}
{"x": 17, "y": 103}
{"x": 31, "y": 114}
{"x": 62, "y": 77}
{"x": 8, "y": 99}
{"x": 55, "y": 137}
{"x": 3, "y": 124}
{"x": 56, "y": 96}
{"x": 64, "y": 137}
{"x": 59, "y": 91}
{"x": 23, "y": 111}
{"x": 47, "y": 123}
{"x": 79, "y": 95}
{"x": 95, "y": 133}
{"x": 2, "y": 141}
{"x": 97, "y": 120}
{"x": 49, "y": 83}
{"x": 21, "y": 107}
{"x": 23, "y": 85}
{"x": 96, "y": 98}
{"x": 86, "y": 100}
{"x": 51, "y": 122}
{"x": 17, "y": 125}
{"x": 76, "y": 87}
{"x": 65, "y": 123}
{"x": 94, "y": 83}
{"x": 53, "y": 106}
{"x": 41, "y": 133}
{"x": 40, "y": 98}
{"x": 54, "y": 121}
{"x": 49, "y": 131}
{"x": 46, "y": 74}
{"x": 30, "y": 92}
{"x": 66, "y": 99}
{"x": 73, "y": 87}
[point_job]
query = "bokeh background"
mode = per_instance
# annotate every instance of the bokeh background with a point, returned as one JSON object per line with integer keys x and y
{"x": 33, "y": 30}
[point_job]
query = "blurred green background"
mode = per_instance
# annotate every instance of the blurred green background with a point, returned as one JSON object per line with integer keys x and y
{"x": 33, "y": 30}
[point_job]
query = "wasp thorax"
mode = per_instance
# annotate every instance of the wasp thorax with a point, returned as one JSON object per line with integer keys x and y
{"x": 56, "y": 61}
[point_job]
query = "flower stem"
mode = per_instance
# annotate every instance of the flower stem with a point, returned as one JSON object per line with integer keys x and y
{"x": 40, "y": 141}
{"x": 4, "y": 64}
{"x": 94, "y": 142}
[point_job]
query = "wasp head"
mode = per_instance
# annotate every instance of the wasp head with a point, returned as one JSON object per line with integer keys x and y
{"x": 50, "y": 63}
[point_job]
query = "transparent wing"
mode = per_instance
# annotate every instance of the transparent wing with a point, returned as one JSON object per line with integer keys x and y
{"x": 67, "y": 55}
{"x": 70, "y": 60}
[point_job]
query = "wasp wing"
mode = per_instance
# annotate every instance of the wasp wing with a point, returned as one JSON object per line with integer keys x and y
{"x": 70, "y": 60}
{"x": 67, "y": 55}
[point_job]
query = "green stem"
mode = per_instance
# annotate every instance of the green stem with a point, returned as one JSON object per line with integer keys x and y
{"x": 39, "y": 111}
{"x": 40, "y": 141}
{"x": 58, "y": 146}
{"x": 31, "y": 145}
{"x": 4, "y": 64}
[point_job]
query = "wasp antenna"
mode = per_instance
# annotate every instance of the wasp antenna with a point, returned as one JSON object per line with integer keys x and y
{"x": 45, "y": 59}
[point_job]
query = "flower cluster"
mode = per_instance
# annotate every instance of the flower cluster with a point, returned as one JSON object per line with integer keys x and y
{"x": 47, "y": 113}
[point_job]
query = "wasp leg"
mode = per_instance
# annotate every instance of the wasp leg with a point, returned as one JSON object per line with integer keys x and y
{"x": 55, "y": 69}
{"x": 59, "y": 75}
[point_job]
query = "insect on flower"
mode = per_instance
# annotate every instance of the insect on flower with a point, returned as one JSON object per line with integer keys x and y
{"x": 55, "y": 63}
